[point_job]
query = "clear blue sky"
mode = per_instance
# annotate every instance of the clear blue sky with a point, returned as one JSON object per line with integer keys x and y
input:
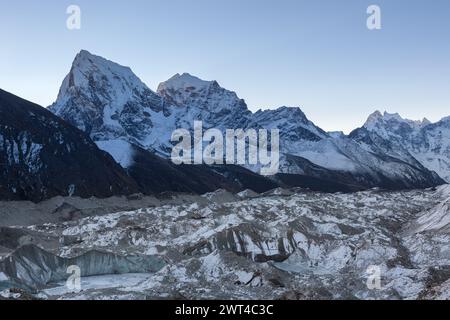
{"x": 316, "y": 54}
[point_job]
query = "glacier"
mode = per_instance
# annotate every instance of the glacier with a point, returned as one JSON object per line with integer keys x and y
{"x": 283, "y": 244}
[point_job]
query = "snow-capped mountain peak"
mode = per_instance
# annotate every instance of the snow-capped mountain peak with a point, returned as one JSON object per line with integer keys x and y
{"x": 87, "y": 69}
{"x": 375, "y": 116}
{"x": 291, "y": 121}
{"x": 185, "y": 82}
{"x": 412, "y": 141}
{"x": 425, "y": 122}
{"x": 189, "y": 91}
{"x": 378, "y": 120}
{"x": 207, "y": 101}
{"x": 105, "y": 99}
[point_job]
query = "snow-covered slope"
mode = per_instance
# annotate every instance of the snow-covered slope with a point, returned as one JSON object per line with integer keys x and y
{"x": 436, "y": 220}
{"x": 110, "y": 103}
{"x": 220, "y": 108}
{"x": 420, "y": 143}
{"x": 121, "y": 150}
{"x": 338, "y": 154}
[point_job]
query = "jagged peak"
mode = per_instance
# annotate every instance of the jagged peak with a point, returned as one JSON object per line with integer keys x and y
{"x": 184, "y": 81}
{"x": 85, "y": 60}
{"x": 88, "y": 69}
{"x": 426, "y": 122}
{"x": 378, "y": 119}
{"x": 188, "y": 90}
{"x": 376, "y": 115}
{"x": 84, "y": 53}
{"x": 284, "y": 111}
{"x": 287, "y": 118}
{"x": 379, "y": 116}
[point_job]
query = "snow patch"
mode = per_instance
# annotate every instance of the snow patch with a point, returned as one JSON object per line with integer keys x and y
{"x": 121, "y": 150}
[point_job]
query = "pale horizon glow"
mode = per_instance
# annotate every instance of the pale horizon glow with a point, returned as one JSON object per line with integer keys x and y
{"x": 316, "y": 55}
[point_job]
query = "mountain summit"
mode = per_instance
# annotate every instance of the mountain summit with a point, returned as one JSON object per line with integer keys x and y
{"x": 106, "y": 100}
{"x": 394, "y": 120}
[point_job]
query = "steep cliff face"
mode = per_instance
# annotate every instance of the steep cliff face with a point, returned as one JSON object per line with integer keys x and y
{"x": 42, "y": 156}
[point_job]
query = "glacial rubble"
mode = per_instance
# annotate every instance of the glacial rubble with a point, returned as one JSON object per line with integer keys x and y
{"x": 284, "y": 244}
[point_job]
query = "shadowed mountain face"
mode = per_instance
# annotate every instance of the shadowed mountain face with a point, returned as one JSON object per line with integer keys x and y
{"x": 42, "y": 156}
{"x": 154, "y": 174}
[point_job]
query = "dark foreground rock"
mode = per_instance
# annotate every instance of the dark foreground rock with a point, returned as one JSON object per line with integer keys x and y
{"x": 42, "y": 156}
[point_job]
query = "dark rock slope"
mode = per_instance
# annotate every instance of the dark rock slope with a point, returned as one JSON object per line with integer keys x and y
{"x": 154, "y": 174}
{"x": 42, "y": 156}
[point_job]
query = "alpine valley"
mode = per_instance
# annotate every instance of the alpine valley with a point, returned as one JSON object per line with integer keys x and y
{"x": 89, "y": 182}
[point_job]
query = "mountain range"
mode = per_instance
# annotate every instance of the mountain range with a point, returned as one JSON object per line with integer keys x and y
{"x": 109, "y": 113}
